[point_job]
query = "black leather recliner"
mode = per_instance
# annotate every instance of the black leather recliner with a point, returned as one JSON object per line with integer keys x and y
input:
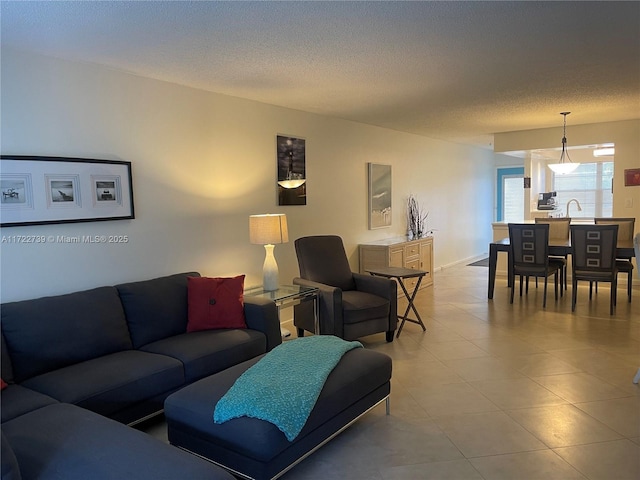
{"x": 351, "y": 305}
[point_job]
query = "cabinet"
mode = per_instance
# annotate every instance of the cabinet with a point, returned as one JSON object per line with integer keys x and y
{"x": 545, "y": 214}
{"x": 398, "y": 252}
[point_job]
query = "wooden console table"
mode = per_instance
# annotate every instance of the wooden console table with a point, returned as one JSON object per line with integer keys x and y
{"x": 400, "y": 252}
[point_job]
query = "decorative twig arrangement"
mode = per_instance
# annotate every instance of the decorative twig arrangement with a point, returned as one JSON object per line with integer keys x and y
{"x": 416, "y": 218}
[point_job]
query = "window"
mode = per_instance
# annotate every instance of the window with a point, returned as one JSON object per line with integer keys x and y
{"x": 590, "y": 184}
{"x": 510, "y": 194}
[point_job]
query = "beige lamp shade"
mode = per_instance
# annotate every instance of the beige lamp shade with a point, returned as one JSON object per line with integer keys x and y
{"x": 268, "y": 229}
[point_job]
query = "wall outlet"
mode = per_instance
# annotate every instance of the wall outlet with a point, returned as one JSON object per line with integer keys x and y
{"x": 628, "y": 203}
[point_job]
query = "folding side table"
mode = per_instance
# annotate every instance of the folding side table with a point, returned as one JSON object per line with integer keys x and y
{"x": 400, "y": 274}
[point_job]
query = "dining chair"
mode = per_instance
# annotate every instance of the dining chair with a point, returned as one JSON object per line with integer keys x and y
{"x": 558, "y": 233}
{"x": 593, "y": 258}
{"x": 529, "y": 249}
{"x": 636, "y": 247}
{"x": 625, "y": 233}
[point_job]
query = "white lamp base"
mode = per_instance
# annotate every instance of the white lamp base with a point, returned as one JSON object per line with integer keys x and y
{"x": 269, "y": 270}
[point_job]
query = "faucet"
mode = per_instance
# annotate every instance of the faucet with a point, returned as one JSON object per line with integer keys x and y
{"x": 577, "y": 203}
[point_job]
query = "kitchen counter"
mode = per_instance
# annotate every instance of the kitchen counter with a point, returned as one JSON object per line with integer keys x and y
{"x": 574, "y": 221}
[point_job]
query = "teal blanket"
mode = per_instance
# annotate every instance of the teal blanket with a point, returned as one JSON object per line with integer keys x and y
{"x": 283, "y": 387}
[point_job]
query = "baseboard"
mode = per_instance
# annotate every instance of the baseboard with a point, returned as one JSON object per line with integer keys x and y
{"x": 287, "y": 323}
{"x": 464, "y": 261}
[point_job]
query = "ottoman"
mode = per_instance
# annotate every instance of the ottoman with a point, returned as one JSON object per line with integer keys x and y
{"x": 257, "y": 449}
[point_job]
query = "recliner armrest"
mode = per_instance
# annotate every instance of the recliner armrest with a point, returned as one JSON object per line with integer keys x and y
{"x": 329, "y": 303}
{"x": 320, "y": 286}
{"x": 383, "y": 287}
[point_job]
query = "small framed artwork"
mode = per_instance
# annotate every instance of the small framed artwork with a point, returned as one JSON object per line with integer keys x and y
{"x": 379, "y": 196}
{"x": 16, "y": 191}
{"x": 63, "y": 191}
{"x": 632, "y": 177}
{"x": 106, "y": 190}
{"x": 292, "y": 181}
{"x": 48, "y": 190}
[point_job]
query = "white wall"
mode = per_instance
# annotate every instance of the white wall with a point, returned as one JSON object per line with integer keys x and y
{"x": 624, "y": 134}
{"x": 202, "y": 163}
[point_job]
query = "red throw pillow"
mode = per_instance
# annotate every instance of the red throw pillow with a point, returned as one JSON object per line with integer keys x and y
{"x": 3, "y": 384}
{"x": 215, "y": 303}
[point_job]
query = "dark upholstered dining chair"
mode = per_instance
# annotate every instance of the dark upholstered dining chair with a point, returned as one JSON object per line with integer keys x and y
{"x": 593, "y": 258}
{"x": 530, "y": 256}
{"x": 558, "y": 232}
{"x": 351, "y": 305}
{"x": 625, "y": 232}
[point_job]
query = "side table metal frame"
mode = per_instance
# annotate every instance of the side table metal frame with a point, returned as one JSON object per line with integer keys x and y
{"x": 400, "y": 274}
{"x": 289, "y": 296}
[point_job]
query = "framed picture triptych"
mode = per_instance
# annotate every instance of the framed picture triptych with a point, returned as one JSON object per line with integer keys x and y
{"x": 46, "y": 190}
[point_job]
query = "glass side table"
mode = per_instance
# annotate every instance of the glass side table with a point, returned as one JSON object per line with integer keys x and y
{"x": 288, "y": 296}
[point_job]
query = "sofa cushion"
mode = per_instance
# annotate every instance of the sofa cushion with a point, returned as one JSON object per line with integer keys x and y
{"x": 210, "y": 351}
{"x": 17, "y": 400}
{"x": 359, "y": 372}
{"x": 73, "y": 443}
{"x": 113, "y": 382}
{"x": 49, "y": 333}
{"x": 361, "y": 306}
{"x": 257, "y": 448}
{"x": 157, "y": 308}
{"x": 10, "y": 467}
{"x": 215, "y": 303}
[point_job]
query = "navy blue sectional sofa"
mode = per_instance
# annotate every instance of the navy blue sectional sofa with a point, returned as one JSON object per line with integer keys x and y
{"x": 80, "y": 365}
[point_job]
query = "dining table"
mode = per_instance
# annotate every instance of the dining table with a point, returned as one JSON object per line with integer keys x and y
{"x": 560, "y": 248}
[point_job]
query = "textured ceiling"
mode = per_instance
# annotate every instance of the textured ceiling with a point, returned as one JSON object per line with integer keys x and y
{"x": 460, "y": 71}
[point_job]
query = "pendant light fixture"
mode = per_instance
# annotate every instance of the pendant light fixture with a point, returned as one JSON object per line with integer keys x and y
{"x": 565, "y": 165}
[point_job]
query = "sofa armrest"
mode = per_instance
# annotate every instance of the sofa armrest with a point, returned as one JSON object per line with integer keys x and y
{"x": 329, "y": 306}
{"x": 262, "y": 314}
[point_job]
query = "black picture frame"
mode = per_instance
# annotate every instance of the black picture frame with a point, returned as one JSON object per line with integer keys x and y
{"x": 39, "y": 190}
{"x": 291, "y": 163}
{"x": 379, "y": 196}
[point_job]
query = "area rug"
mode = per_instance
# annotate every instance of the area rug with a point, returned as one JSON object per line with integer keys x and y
{"x": 480, "y": 263}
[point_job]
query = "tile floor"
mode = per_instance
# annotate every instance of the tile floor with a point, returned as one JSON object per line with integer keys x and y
{"x": 497, "y": 391}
